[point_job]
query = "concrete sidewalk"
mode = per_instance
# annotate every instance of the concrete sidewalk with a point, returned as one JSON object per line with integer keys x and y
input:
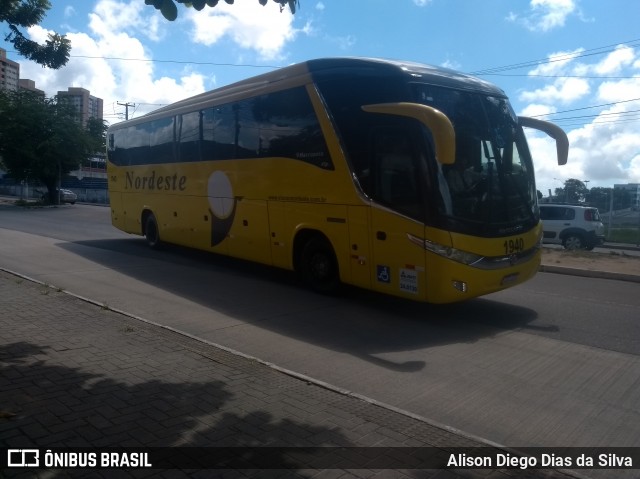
{"x": 75, "y": 374}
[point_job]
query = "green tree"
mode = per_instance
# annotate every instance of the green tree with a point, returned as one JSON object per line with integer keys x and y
{"x": 40, "y": 139}
{"x": 19, "y": 14}
{"x": 96, "y": 129}
{"x": 575, "y": 191}
{"x": 169, "y": 8}
{"x": 600, "y": 198}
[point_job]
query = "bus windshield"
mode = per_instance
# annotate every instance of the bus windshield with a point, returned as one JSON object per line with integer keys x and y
{"x": 490, "y": 189}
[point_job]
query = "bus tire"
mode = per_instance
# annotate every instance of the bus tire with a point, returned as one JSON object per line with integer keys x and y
{"x": 317, "y": 265}
{"x": 151, "y": 232}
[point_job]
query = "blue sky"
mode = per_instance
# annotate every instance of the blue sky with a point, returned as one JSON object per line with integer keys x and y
{"x": 577, "y": 61}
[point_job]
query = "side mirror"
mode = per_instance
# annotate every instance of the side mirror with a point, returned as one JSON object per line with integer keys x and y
{"x": 444, "y": 135}
{"x": 554, "y": 131}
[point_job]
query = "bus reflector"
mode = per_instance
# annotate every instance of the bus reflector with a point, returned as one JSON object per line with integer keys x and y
{"x": 460, "y": 286}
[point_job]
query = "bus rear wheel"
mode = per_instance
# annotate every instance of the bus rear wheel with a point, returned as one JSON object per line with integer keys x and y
{"x": 318, "y": 267}
{"x": 151, "y": 233}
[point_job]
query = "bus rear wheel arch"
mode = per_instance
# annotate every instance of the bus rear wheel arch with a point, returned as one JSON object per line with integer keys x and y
{"x": 150, "y": 229}
{"x": 315, "y": 262}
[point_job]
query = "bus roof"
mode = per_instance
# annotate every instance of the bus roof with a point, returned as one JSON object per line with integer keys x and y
{"x": 325, "y": 68}
{"x": 418, "y": 71}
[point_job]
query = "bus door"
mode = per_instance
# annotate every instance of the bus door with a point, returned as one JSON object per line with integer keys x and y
{"x": 397, "y": 190}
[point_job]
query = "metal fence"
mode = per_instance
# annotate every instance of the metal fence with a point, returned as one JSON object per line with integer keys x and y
{"x": 31, "y": 192}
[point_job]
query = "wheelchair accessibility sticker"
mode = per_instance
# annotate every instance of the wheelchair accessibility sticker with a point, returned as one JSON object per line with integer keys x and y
{"x": 383, "y": 273}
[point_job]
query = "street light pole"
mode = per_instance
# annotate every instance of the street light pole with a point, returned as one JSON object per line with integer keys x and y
{"x": 563, "y": 187}
{"x": 610, "y": 213}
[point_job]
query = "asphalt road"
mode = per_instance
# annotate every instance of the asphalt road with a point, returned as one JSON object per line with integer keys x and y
{"x": 553, "y": 362}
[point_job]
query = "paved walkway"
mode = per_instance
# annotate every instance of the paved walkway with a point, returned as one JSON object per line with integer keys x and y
{"x": 74, "y": 374}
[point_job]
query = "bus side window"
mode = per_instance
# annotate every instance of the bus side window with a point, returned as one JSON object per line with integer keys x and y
{"x": 188, "y": 136}
{"x": 116, "y": 152}
{"x": 289, "y": 128}
{"x": 225, "y": 130}
{"x": 161, "y": 141}
{"x": 395, "y": 175}
{"x": 137, "y": 145}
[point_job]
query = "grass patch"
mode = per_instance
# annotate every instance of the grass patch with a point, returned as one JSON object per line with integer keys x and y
{"x": 30, "y": 203}
{"x": 624, "y": 235}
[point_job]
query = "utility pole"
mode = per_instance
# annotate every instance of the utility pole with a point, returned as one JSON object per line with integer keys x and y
{"x": 126, "y": 105}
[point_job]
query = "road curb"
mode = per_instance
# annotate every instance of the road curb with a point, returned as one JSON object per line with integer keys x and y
{"x": 586, "y": 273}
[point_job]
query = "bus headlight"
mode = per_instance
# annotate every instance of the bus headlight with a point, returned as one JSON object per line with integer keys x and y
{"x": 476, "y": 260}
{"x": 448, "y": 252}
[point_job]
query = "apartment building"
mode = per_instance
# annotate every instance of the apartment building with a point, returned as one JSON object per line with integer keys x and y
{"x": 87, "y": 105}
{"x": 30, "y": 85}
{"x": 9, "y": 72}
{"x": 634, "y": 189}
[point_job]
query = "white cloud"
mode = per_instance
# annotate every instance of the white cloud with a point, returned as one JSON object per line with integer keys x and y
{"x": 620, "y": 90}
{"x": 557, "y": 62}
{"x": 421, "y": 3}
{"x": 133, "y": 17}
{"x": 545, "y": 15}
{"x": 344, "y": 42}
{"x": 605, "y": 150}
{"x": 538, "y": 110}
{"x": 110, "y": 58}
{"x": 110, "y": 35}
{"x": 622, "y": 56}
{"x": 265, "y": 30}
{"x": 568, "y": 63}
{"x": 563, "y": 90}
{"x": 604, "y": 141}
{"x": 451, "y": 64}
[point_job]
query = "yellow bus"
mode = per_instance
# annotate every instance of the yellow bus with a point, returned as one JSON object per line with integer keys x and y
{"x": 397, "y": 177}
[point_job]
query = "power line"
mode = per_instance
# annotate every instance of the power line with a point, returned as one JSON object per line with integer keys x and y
{"x": 591, "y": 77}
{"x": 622, "y": 113}
{"x": 568, "y": 56}
{"x": 179, "y": 62}
{"x": 587, "y": 107}
{"x": 597, "y": 122}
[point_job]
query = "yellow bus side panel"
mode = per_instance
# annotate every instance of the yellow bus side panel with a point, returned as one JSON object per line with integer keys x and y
{"x": 360, "y": 260}
{"x": 249, "y": 235}
{"x": 398, "y": 264}
{"x": 117, "y": 210}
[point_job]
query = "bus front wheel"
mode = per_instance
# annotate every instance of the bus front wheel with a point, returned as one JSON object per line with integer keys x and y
{"x": 151, "y": 233}
{"x": 318, "y": 266}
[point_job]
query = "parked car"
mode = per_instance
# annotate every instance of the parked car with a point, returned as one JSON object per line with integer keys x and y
{"x": 574, "y": 227}
{"x": 66, "y": 196}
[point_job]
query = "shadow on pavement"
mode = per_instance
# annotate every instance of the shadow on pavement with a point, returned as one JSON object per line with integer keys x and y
{"x": 357, "y": 322}
{"x": 54, "y": 405}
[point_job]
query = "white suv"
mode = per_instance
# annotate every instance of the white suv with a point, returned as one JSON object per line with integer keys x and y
{"x": 574, "y": 227}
